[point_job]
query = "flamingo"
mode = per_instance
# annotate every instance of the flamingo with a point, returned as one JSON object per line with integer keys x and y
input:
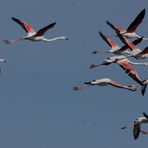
{"x": 104, "y": 82}
{"x": 115, "y": 48}
{"x": 130, "y": 32}
{"x": 137, "y": 125}
{"x": 32, "y": 35}
{"x": 115, "y": 59}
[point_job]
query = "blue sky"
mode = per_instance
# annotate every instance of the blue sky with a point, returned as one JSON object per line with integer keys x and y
{"x": 38, "y": 107}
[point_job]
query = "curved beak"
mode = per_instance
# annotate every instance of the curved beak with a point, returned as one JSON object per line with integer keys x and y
{"x": 87, "y": 83}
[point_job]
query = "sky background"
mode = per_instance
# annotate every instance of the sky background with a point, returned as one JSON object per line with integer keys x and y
{"x": 38, "y": 108}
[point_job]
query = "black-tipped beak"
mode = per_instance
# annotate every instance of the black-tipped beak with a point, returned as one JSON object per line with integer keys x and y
{"x": 95, "y": 52}
{"x": 87, "y": 83}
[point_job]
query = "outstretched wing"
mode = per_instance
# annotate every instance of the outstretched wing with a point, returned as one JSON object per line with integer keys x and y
{"x": 116, "y": 28}
{"x": 108, "y": 40}
{"x": 43, "y": 30}
{"x": 135, "y": 42}
{"x": 115, "y": 84}
{"x": 27, "y": 27}
{"x": 130, "y": 70}
{"x": 138, "y": 20}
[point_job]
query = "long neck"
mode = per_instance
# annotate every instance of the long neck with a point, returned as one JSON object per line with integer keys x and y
{"x": 54, "y": 39}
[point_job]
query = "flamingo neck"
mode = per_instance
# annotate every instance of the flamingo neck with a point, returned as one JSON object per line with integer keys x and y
{"x": 56, "y": 38}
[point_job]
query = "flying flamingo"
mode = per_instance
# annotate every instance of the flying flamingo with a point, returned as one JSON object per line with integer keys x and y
{"x": 104, "y": 82}
{"x": 115, "y": 48}
{"x": 137, "y": 126}
{"x": 32, "y": 35}
{"x": 115, "y": 59}
{"x": 130, "y": 32}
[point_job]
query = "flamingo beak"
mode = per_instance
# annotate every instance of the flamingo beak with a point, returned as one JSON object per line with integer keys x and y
{"x": 87, "y": 83}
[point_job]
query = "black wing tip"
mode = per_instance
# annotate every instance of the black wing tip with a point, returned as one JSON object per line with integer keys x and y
{"x": 145, "y": 115}
{"x": 136, "y": 137}
{"x": 54, "y": 23}
{"x": 99, "y": 32}
{"x": 108, "y": 22}
{"x": 13, "y": 18}
{"x": 143, "y": 10}
{"x": 143, "y": 89}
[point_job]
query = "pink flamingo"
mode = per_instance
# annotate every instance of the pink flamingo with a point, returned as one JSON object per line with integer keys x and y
{"x": 137, "y": 126}
{"x": 104, "y": 82}
{"x": 115, "y": 48}
{"x": 130, "y": 32}
{"x": 32, "y": 35}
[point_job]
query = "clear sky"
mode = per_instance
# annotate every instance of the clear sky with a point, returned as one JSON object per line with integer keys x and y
{"x": 38, "y": 108}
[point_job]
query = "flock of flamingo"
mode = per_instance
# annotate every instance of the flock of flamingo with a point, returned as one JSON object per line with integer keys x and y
{"x": 121, "y": 57}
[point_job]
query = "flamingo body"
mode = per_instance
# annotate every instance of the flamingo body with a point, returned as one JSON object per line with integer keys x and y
{"x": 32, "y": 35}
{"x": 137, "y": 125}
{"x": 131, "y": 30}
{"x": 105, "y": 82}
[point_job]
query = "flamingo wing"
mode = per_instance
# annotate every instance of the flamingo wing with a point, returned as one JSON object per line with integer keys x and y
{"x": 43, "y": 30}
{"x": 145, "y": 51}
{"x": 138, "y": 20}
{"x": 113, "y": 83}
{"x": 27, "y": 27}
{"x": 135, "y": 42}
{"x": 136, "y": 130}
{"x": 143, "y": 89}
{"x": 124, "y": 64}
{"x": 108, "y": 40}
{"x": 116, "y": 28}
